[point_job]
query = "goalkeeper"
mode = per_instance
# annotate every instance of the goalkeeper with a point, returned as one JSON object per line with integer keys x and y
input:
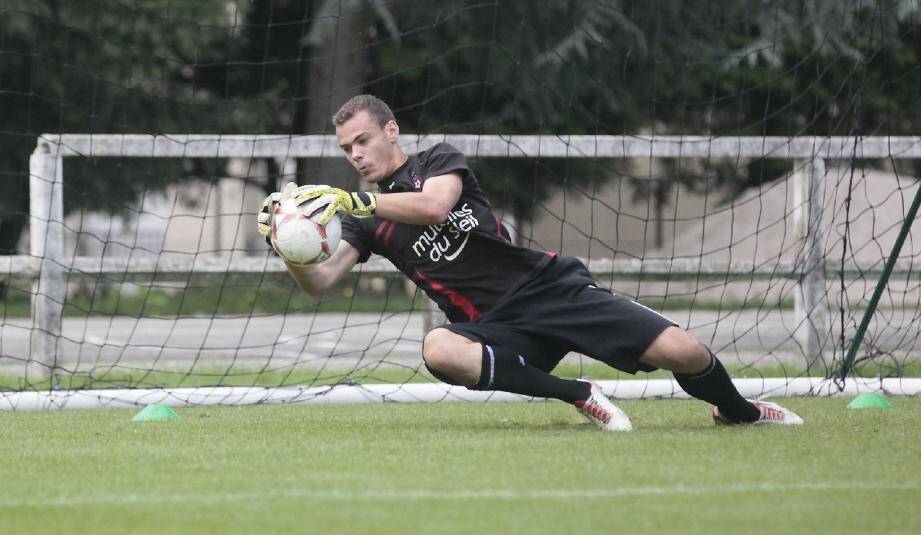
{"x": 514, "y": 313}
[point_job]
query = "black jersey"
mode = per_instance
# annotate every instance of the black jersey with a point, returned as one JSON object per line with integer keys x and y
{"x": 464, "y": 264}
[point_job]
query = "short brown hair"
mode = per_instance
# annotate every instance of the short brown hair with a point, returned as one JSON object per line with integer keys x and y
{"x": 376, "y": 108}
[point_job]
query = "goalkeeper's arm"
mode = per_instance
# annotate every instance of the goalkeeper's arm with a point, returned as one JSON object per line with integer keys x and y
{"x": 427, "y": 207}
{"x": 316, "y": 278}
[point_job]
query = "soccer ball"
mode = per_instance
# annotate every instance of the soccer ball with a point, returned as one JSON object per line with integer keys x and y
{"x": 299, "y": 239}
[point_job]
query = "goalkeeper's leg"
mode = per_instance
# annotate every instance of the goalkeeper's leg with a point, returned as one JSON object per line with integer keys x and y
{"x": 456, "y": 359}
{"x": 700, "y": 374}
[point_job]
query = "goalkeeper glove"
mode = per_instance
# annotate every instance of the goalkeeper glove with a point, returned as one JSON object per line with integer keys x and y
{"x": 267, "y": 210}
{"x": 315, "y": 199}
{"x": 357, "y": 203}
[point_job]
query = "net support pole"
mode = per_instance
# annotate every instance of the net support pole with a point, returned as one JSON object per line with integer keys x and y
{"x": 811, "y": 306}
{"x": 848, "y": 361}
{"x": 46, "y": 243}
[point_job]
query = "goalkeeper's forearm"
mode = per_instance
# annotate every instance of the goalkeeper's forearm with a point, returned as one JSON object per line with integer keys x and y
{"x": 317, "y": 278}
{"x": 311, "y": 279}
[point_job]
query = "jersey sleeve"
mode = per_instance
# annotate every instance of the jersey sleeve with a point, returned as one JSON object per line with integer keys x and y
{"x": 354, "y": 233}
{"x": 442, "y": 159}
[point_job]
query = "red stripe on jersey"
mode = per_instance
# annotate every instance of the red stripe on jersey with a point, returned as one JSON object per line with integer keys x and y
{"x": 389, "y": 232}
{"x": 456, "y": 299}
{"x": 384, "y": 237}
{"x": 380, "y": 228}
{"x": 499, "y": 229}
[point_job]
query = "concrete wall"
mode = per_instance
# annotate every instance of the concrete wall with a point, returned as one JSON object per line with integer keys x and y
{"x": 193, "y": 217}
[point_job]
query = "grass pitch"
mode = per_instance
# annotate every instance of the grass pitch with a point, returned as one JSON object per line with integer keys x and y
{"x": 461, "y": 468}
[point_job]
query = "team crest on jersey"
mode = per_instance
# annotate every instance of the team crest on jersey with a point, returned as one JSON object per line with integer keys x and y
{"x": 417, "y": 182}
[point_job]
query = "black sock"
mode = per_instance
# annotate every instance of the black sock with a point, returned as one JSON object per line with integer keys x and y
{"x": 714, "y": 386}
{"x": 508, "y": 371}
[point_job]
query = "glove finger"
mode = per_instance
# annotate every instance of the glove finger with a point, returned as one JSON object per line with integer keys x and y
{"x": 288, "y": 191}
{"x": 264, "y": 217}
{"x": 318, "y": 205}
{"x": 272, "y": 198}
{"x": 306, "y": 193}
{"x": 264, "y": 222}
{"x": 308, "y": 188}
{"x": 328, "y": 214}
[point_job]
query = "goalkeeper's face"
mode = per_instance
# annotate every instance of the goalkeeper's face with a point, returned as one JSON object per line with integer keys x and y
{"x": 373, "y": 150}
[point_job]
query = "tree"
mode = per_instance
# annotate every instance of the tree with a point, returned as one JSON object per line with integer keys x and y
{"x": 727, "y": 67}
{"x": 304, "y": 59}
{"x": 98, "y": 67}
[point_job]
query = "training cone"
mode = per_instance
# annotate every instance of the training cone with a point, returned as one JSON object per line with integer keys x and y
{"x": 157, "y": 412}
{"x": 870, "y": 400}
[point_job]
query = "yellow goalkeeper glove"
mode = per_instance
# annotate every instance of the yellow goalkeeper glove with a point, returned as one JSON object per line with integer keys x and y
{"x": 267, "y": 210}
{"x": 332, "y": 200}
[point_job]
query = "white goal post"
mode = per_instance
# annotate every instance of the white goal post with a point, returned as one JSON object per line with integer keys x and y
{"x": 47, "y": 266}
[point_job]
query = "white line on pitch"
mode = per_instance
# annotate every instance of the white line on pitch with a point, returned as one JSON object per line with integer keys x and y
{"x": 484, "y": 494}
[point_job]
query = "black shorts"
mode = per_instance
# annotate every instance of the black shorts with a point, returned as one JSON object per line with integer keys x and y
{"x": 560, "y": 309}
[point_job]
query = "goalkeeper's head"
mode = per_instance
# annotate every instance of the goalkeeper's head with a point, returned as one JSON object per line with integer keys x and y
{"x": 368, "y": 132}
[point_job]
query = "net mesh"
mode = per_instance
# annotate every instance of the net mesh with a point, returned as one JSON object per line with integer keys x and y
{"x": 717, "y": 241}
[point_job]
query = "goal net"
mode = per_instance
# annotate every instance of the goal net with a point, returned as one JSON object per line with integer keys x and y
{"x": 745, "y": 170}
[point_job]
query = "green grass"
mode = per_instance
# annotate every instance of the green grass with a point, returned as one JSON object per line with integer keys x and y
{"x": 460, "y": 468}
